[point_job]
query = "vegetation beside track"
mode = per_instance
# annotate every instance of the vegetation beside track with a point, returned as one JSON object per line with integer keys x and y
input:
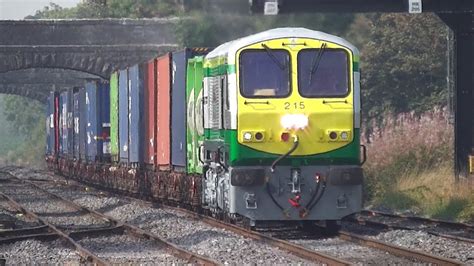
{"x": 410, "y": 167}
{"x": 22, "y": 131}
{"x": 403, "y": 68}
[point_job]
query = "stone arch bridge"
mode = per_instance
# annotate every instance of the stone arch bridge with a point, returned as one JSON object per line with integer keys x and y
{"x": 37, "y": 56}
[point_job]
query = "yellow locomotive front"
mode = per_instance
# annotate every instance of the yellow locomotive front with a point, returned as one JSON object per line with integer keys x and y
{"x": 290, "y": 140}
{"x": 295, "y": 88}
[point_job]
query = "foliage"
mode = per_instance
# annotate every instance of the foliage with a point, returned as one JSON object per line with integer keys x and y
{"x": 26, "y": 118}
{"x": 410, "y": 166}
{"x": 404, "y": 64}
{"x": 10, "y": 139}
{"x": 23, "y": 114}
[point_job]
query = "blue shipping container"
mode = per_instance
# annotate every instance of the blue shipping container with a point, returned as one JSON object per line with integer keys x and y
{"x": 92, "y": 120}
{"x": 82, "y": 124}
{"x": 123, "y": 115}
{"x": 104, "y": 109}
{"x": 62, "y": 138}
{"x": 98, "y": 119}
{"x": 136, "y": 126}
{"x": 76, "y": 117}
{"x": 178, "y": 108}
{"x": 63, "y": 124}
{"x": 69, "y": 121}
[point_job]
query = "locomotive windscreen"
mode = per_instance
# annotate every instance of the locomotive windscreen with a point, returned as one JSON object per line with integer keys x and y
{"x": 323, "y": 73}
{"x": 265, "y": 73}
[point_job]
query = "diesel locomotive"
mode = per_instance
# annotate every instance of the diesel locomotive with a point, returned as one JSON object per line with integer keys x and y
{"x": 269, "y": 129}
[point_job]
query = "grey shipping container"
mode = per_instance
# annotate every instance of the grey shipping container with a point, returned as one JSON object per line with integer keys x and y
{"x": 136, "y": 127}
{"x": 50, "y": 124}
{"x": 123, "y": 115}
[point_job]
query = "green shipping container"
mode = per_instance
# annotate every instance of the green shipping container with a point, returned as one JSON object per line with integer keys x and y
{"x": 195, "y": 121}
{"x": 114, "y": 113}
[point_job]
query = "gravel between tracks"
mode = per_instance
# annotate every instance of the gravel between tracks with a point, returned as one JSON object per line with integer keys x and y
{"x": 52, "y": 210}
{"x": 228, "y": 247}
{"x": 440, "y": 246}
{"x": 419, "y": 240}
{"x": 34, "y": 252}
{"x": 353, "y": 252}
{"x": 182, "y": 230}
{"x": 122, "y": 249}
{"x": 420, "y": 225}
{"x": 9, "y": 214}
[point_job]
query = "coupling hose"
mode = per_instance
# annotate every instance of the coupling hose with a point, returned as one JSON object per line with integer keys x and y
{"x": 295, "y": 145}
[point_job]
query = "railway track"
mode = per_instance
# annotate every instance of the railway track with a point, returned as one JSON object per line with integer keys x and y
{"x": 89, "y": 242}
{"x": 451, "y": 230}
{"x": 309, "y": 249}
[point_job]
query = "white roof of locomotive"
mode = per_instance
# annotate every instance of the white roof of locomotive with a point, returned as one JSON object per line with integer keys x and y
{"x": 231, "y": 48}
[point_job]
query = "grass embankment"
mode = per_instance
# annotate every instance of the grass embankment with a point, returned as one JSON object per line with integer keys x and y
{"x": 410, "y": 168}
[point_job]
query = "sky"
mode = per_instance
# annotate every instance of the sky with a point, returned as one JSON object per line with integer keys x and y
{"x": 19, "y": 9}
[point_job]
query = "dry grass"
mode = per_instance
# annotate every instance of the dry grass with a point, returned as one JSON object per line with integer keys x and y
{"x": 410, "y": 167}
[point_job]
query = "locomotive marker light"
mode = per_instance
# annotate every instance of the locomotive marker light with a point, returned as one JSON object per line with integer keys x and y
{"x": 344, "y": 135}
{"x": 285, "y": 136}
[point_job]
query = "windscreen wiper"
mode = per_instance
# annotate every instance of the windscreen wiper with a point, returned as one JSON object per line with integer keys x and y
{"x": 316, "y": 61}
{"x": 273, "y": 57}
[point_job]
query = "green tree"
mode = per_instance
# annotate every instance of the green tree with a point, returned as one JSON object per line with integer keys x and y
{"x": 403, "y": 64}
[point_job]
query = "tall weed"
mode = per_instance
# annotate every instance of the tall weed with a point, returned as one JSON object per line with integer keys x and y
{"x": 410, "y": 165}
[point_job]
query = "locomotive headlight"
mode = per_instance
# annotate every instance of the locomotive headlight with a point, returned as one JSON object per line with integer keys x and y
{"x": 301, "y": 121}
{"x": 295, "y": 121}
{"x": 247, "y": 136}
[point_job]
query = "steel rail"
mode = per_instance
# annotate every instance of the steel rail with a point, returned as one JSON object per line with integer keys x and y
{"x": 362, "y": 221}
{"x": 42, "y": 236}
{"x": 84, "y": 253}
{"x": 26, "y": 230}
{"x": 396, "y": 250}
{"x": 310, "y": 254}
{"x": 313, "y": 255}
{"x": 133, "y": 230}
{"x": 464, "y": 226}
{"x": 294, "y": 249}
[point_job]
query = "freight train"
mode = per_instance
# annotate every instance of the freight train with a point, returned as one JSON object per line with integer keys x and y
{"x": 263, "y": 128}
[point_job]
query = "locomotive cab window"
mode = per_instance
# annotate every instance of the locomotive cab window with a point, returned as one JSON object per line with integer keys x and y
{"x": 323, "y": 73}
{"x": 265, "y": 73}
